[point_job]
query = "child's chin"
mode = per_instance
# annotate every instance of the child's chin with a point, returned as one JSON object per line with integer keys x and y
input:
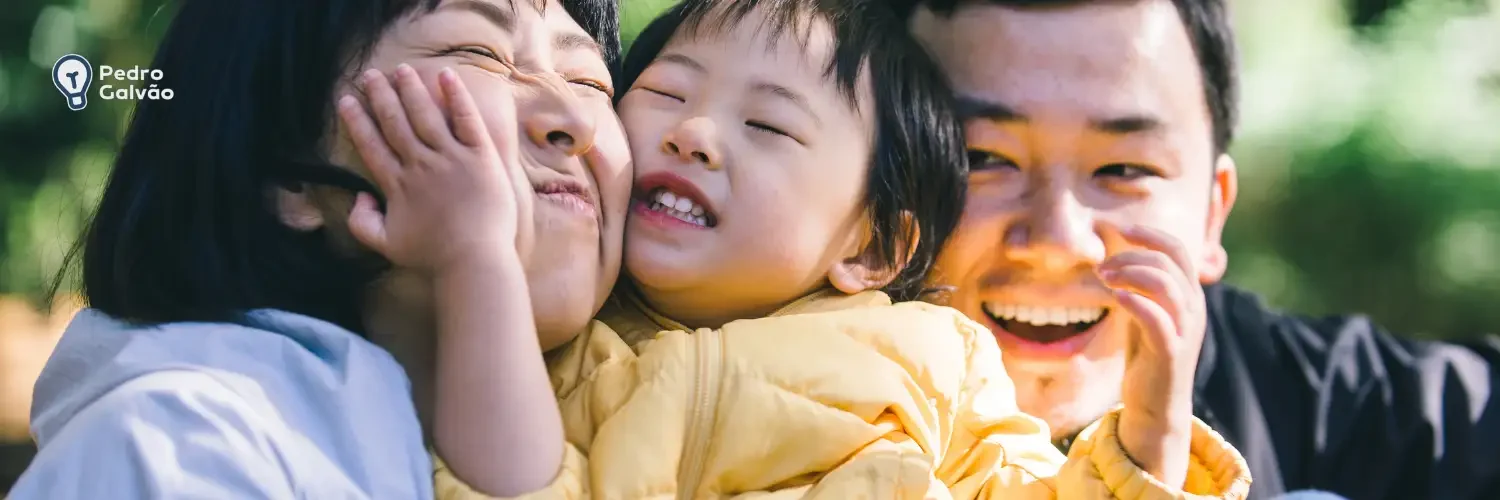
{"x": 661, "y": 272}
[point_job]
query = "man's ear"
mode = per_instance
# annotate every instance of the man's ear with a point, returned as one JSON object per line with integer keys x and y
{"x": 296, "y": 208}
{"x": 863, "y": 267}
{"x": 1215, "y": 260}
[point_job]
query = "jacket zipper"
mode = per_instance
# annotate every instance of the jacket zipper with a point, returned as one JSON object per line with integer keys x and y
{"x": 704, "y": 392}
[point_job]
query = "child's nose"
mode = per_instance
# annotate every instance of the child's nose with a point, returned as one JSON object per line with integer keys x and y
{"x": 693, "y": 142}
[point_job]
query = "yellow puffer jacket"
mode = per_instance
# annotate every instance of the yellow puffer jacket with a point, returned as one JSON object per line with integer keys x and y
{"x": 833, "y": 397}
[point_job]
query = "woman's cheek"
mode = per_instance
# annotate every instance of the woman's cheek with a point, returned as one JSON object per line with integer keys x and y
{"x": 498, "y": 112}
{"x": 612, "y": 144}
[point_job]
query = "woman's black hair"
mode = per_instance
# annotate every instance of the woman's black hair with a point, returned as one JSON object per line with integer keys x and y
{"x": 918, "y": 165}
{"x": 187, "y": 229}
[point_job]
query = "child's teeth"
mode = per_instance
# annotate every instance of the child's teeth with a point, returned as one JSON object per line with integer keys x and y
{"x": 679, "y": 207}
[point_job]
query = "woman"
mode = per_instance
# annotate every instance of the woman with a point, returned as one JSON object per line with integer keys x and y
{"x": 231, "y": 348}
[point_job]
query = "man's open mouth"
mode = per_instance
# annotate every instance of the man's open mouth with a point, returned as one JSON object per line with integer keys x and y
{"x": 1044, "y": 325}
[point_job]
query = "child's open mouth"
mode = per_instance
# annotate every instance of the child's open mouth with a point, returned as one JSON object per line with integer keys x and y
{"x": 679, "y": 207}
{"x": 673, "y": 198}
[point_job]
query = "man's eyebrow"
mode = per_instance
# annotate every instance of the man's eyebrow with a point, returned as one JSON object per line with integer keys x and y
{"x": 572, "y": 41}
{"x": 683, "y": 60}
{"x": 973, "y": 107}
{"x": 505, "y": 19}
{"x": 1131, "y": 123}
{"x": 1127, "y": 124}
{"x": 791, "y": 96}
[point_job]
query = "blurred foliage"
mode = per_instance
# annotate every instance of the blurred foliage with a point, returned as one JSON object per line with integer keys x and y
{"x": 1369, "y": 157}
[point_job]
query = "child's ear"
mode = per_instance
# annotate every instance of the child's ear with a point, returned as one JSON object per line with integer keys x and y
{"x": 296, "y": 208}
{"x": 863, "y": 268}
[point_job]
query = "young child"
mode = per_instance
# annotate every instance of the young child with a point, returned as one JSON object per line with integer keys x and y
{"x": 798, "y": 167}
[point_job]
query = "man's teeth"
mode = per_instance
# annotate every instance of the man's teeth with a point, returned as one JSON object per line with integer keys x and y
{"x": 1044, "y": 316}
{"x": 680, "y": 207}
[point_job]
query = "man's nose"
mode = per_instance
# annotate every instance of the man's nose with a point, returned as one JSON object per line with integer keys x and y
{"x": 555, "y": 120}
{"x": 1055, "y": 233}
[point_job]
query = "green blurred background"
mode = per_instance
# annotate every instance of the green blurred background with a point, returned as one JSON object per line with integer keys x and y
{"x": 1369, "y": 161}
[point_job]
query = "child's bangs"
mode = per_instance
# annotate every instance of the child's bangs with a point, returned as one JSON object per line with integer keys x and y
{"x": 850, "y": 22}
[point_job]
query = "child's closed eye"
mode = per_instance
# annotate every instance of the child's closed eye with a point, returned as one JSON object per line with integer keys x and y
{"x": 764, "y": 127}
{"x": 662, "y": 93}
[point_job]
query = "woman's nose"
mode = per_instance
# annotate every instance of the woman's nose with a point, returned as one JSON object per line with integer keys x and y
{"x": 557, "y": 120}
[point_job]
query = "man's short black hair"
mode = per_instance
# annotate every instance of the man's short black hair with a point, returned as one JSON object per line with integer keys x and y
{"x": 918, "y": 165}
{"x": 1209, "y": 31}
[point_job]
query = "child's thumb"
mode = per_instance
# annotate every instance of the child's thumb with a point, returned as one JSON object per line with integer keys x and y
{"x": 367, "y": 224}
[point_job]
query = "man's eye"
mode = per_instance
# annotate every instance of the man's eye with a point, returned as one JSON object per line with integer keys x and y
{"x": 1126, "y": 171}
{"x": 985, "y": 160}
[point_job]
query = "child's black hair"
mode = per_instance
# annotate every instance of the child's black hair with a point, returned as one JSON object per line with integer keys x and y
{"x": 186, "y": 229}
{"x": 918, "y": 165}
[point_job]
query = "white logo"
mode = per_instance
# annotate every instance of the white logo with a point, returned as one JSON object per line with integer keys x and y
{"x": 72, "y": 74}
{"x": 132, "y": 92}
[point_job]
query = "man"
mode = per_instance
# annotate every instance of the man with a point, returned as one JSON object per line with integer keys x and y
{"x": 1086, "y": 118}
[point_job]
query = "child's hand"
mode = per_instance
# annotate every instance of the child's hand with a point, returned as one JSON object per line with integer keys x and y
{"x": 453, "y": 197}
{"x": 1157, "y": 286}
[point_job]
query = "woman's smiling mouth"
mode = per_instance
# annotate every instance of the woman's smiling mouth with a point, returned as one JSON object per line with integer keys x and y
{"x": 568, "y": 194}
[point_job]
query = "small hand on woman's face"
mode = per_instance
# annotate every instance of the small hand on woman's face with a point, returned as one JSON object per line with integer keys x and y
{"x": 572, "y": 148}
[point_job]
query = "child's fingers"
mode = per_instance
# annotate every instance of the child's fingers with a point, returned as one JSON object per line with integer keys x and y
{"x": 367, "y": 224}
{"x": 1156, "y": 324}
{"x": 426, "y": 119}
{"x": 507, "y": 137}
{"x": 1150, "y": 258}
{"x": 376, "y": 154}
{"x": 1152, "y": 283}
{"x": 468, "y": 125}
{"x": 1156, "y": 239}
{"x": 391, "y": 116}
{"x": 1144, "y": 258}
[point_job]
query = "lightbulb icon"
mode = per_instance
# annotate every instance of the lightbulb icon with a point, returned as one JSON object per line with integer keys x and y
{"x": 72, "y": 74}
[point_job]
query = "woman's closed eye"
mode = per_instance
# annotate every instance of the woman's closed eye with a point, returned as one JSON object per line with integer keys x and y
{"x": 980, "y": 160}
{"x": 607, "y": 90}
{"x": 482, "y": 52}
{"x": 476, "y": 50}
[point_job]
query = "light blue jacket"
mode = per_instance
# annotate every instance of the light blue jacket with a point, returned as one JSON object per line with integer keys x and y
{"x": 281, "y": 406}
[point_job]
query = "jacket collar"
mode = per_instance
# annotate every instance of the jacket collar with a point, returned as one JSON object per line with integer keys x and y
{"x": 822, "y": 300}
{"x": 636, "y": 321}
